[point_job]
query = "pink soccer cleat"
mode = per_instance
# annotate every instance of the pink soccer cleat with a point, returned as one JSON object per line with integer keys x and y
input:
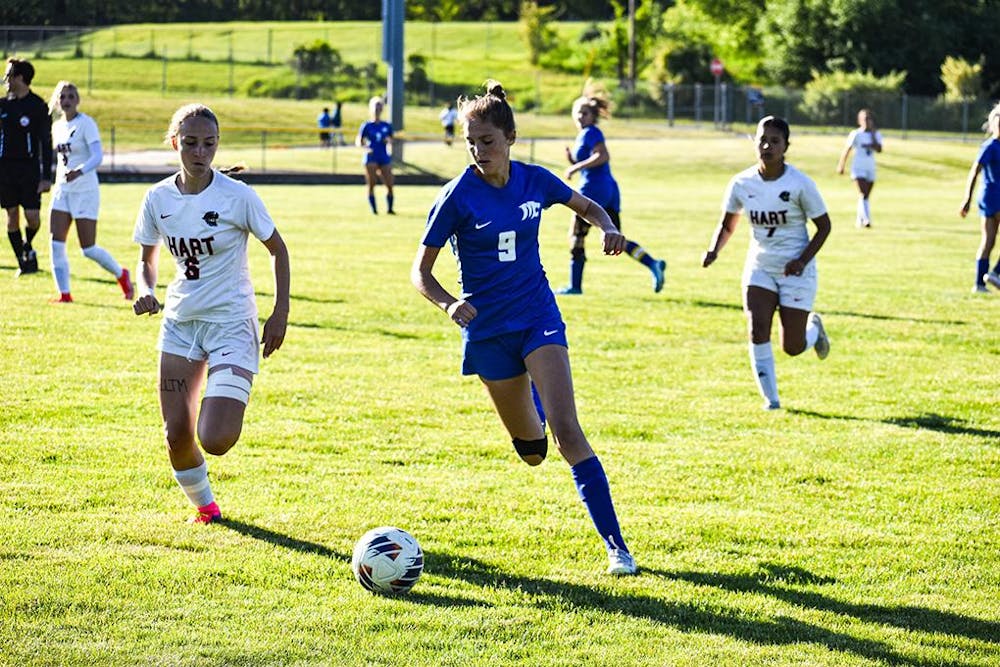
{"x": 125, "y": 282}
{"x": 207, "y": 514}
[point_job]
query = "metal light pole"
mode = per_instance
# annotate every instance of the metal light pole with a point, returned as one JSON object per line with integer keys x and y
{"x": 392, "y": 53}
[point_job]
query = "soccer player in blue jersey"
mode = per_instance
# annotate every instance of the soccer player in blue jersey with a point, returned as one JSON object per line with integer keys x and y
{"x": 780, "y": 270}
{"x": 512, "y": 332}
{"x": 375, "y": 136}
{"x": 988, "y": 162}
{"x": 590, "y": 158}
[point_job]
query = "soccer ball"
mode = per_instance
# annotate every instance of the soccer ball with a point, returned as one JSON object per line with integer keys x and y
{"x": 387, "y": 560}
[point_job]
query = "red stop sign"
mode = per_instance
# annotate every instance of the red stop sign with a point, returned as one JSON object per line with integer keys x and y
{"x": 716, "y": 67}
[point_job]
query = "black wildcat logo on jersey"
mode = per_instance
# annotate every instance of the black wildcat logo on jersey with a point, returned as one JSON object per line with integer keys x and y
{"x": 785, "y": 195}
{"x": 211, "y": 218}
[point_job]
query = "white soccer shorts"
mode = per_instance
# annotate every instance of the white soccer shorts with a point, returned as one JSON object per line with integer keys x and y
{"x": 797, "y": 292}
{"x": 221, "y": 343}
{"x": 866, "y": 174}
{"x": 79, "y": 204}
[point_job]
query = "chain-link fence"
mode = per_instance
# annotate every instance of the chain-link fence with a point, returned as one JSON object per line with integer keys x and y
{"x": 725, "y": 104}
{"x": 185, "y": 58}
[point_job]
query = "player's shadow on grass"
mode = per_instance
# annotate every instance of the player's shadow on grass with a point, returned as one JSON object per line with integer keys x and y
{"x": 842, "y": 313}
{"x": 928, "y": 421}
{"x": 306, "y": 547}
{"x": 282, "y": 540}
{"x": 688, "y": 617}
{"x": 778, "y": 581}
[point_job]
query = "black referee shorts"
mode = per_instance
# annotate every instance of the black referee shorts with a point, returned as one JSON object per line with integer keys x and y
{"x": 19, "y": 184}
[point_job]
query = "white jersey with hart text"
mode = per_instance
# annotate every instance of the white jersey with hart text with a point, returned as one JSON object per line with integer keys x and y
{"x": 777, "y": 211}
{"x": 72, "y": 140}
{"x": 860, "y": 140}
{"x": 207, "y": 236}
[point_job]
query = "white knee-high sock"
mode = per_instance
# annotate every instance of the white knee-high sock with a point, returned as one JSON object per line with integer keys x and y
{"x": 60, "y": 266}
{"x": 104, "y": 258}
{"x": 867, "y": 209}
{"x": 812, "y": 333}
{"x": 762, "y": 362}
{"x": 194, "y": 483}
{"x": 862, "y": 215}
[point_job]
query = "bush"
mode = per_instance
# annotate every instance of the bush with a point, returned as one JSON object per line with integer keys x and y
{"x": 828, "y": 97}
{"x": 962, "y": 80}
{"x": 316, "y": 58}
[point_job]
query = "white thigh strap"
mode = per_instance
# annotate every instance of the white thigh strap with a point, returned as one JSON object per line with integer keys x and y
{"x": 227, "y": 384}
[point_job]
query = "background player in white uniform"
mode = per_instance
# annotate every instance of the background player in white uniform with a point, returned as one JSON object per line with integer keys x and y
{"x": 865, "y": 140}
{"x": 76, "y": 194}
{"x": 780, "y": 272}
{"x": 204, "y": 219}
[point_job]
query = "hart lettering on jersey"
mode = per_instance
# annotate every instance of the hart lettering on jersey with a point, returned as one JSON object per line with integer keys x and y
{"x": 768, "y": 218}
{"x": 181, "y": 247}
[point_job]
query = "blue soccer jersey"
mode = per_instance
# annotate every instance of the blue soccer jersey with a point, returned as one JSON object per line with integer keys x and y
{"x": 596, "y": 182}
{"x": 376, "y": 133}
{"x": 989, "y": 158}
{"x": 494, "y": 235}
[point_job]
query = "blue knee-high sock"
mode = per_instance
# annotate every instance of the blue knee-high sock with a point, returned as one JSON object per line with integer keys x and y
{"x": 538, "y": 404}
{"x": 996, "y": 268}
{"x": 578, "y": 259}
{"x": 371, "y": 202}
{"x": 982, "y": 265}
{"x": 592, "y": 485}
{"x": 388, "y": 200}
{"x": 636, "y": 252}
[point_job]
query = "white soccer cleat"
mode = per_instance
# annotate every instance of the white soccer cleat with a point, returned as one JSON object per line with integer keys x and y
{"x": 992, "y": 278}
{"x": 620, "y": 563}
{"x": 980, "y": 289}
{"x": 822, "y": 345}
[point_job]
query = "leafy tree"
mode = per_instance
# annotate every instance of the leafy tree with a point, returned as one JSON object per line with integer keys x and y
{"x": 537, "y": 30}
{"x": 962, "y": 80}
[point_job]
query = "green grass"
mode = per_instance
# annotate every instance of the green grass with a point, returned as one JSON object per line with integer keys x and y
{"x": 858, "y": 526}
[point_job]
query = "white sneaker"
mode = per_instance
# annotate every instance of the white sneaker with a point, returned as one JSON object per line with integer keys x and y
{"x": 992, "y": 278}
{"x": 822, "y": 345}
{"x": 980, "y": 289}
{"x": 620, "y": 563}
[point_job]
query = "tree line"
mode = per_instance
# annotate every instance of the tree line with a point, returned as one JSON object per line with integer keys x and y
{"x": 770, "y": 42}
{"x": 111, "y": 12}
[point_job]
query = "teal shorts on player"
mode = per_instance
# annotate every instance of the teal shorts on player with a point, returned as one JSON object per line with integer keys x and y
{"x": 502, "y": 357}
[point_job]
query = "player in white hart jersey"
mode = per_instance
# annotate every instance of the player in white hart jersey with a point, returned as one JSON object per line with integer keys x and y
{"x": 780, "y": 271}
{"x": 76, "y": 194}
{"x": 204, "y": 218}
{"x": 865, "y": 140}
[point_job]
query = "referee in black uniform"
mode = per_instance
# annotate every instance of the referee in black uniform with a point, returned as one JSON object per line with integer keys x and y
{"x": 25, "y": 159}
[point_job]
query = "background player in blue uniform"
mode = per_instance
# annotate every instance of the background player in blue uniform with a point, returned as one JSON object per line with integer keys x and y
{"x": 375, "y": 136}
{"x": 589, "y": 156}
{"x": 512, "y": 331}
{"x": 988, "y": 162}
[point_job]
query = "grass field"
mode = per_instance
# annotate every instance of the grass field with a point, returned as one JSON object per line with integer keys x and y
{"x": 860, "y": 525}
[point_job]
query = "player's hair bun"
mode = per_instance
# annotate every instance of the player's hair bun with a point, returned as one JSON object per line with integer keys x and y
{"x": 493, "y": 87}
